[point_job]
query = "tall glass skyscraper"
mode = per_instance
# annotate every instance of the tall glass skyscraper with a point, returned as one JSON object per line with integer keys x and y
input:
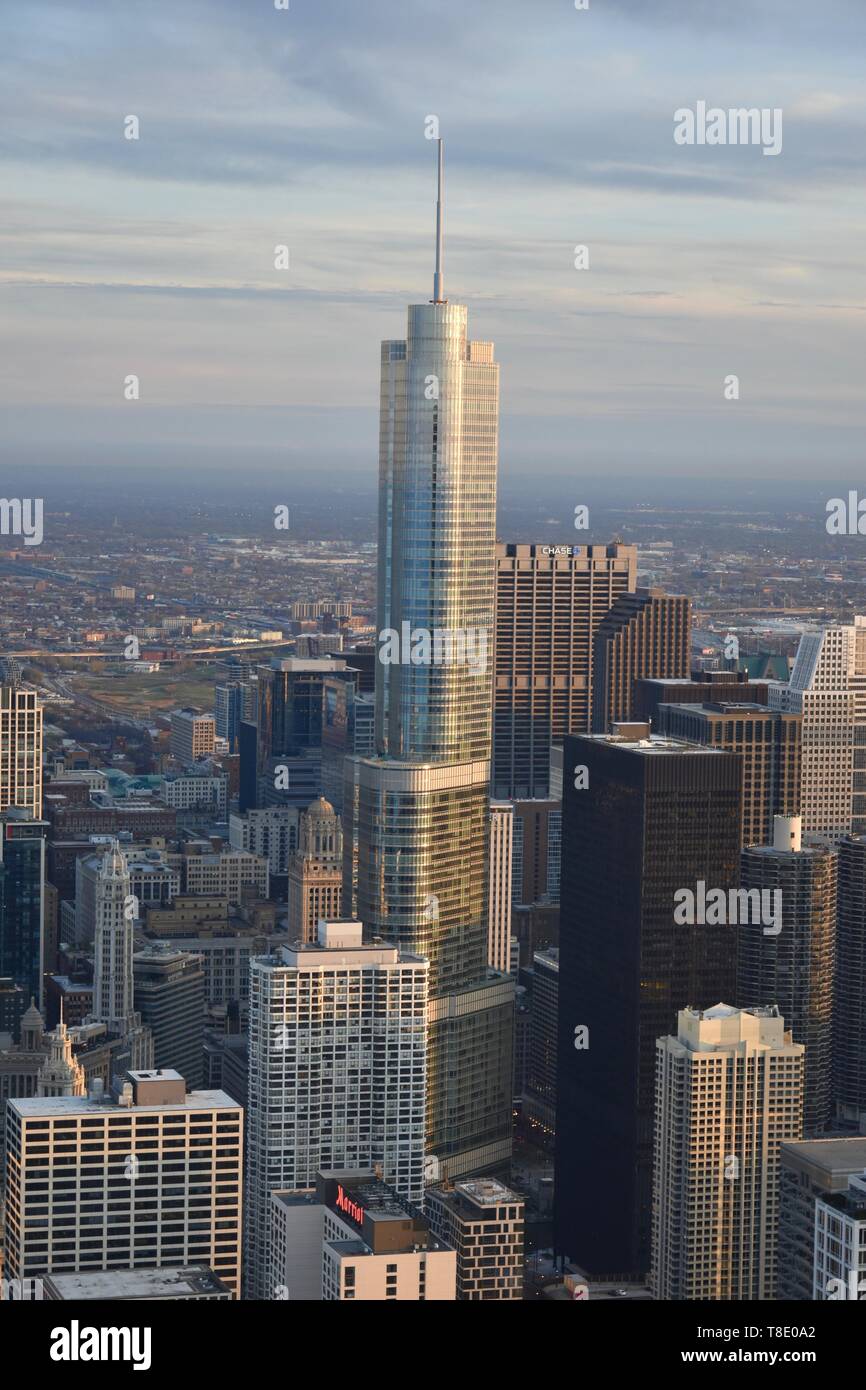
{"x": 22, "y": 899}
{"x": 651, "y": 816}
{"x": 422, "y": 804}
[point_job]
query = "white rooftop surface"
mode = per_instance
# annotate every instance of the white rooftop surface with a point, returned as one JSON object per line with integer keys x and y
{"x": 38, "y": 1107}
{"x": 488, "y": 1191}
{"x": 658, "y": 744}
{"x": 138, "y": 1283}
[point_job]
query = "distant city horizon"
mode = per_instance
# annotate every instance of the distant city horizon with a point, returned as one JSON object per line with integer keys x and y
{"x": 242, "y": 256}
{"x": 433, "y": 730}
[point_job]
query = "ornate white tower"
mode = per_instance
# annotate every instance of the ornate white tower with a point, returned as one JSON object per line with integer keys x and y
{"x": 61, "y": 1075}
{"x": 315, "y": 883}
{"x": 113, "y": 984}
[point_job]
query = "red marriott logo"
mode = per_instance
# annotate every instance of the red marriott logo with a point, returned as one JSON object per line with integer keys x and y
{"x": 351, "y": 1208}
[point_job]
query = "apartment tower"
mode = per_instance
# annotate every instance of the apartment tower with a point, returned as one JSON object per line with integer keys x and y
{"x": 20, "y": 749}
{"x": 337, "y": 1071}
{"x": 791, "y": 960}
{"x": 729, "y": 1092}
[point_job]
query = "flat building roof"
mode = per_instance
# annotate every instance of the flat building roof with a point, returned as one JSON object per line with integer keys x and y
{"x": 137, "y": 1283}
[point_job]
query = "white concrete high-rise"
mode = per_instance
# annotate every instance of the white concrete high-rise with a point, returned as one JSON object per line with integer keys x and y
{"x": 337, "y": 1072}
{"x": 729, "y": 1092}
{"x": 20, "y": 749}
{"x": 839, "y": 1269}
{"x": 61, "y": 1074}
{"x": 269, "y": 831}
{"x": 809, "y": 1170}
{"x": 115, "y": 911}
{"x": 828, "y": 688}
{"x": 112, "y": 963}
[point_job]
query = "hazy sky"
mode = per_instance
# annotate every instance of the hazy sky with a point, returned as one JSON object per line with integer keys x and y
{"x": 261, "y": 127}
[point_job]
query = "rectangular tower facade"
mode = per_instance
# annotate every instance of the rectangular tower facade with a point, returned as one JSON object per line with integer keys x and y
{"x": 22, "y": 899}
{"x": 550, "y": 601}
{"x": 849, "y": 1014}
{"x": 792, "y": 961}
{"x": 20, "y": 749}
{"x": 828, "y": 688}
{"x": 810, "y": 1171}
{"x": 500, "y": 887}
{"x": 702, "y": 687}
{"x": 839, "y": 1270}
{"x": 149, "y": 1179}
{"x": 646, "y": 634}
{"x": 768, "y": 741}
{"x": 483, "y": 1221}
{"x": 643, "y": 819}
{"x": 729, "y": 1092}
{"x": 337, "y": 1071}
{"x": 113, "y": 998}
{"x": 169, "y": 994}
{"x": 290, "y": 706}
{"x": 421, "y": 806}
{"x": 192, "y": 735}
{"x": 540, "y": 1098}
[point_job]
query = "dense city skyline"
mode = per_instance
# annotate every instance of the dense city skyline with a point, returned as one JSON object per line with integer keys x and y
{"x": 414, "y": 889}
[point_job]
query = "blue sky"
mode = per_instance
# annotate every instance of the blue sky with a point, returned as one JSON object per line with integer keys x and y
{"x": 261, "y": 127}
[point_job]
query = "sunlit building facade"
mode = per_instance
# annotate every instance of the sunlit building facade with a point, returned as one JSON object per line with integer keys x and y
{"x": 20, "y": 749}
{"x": 422, "y": 804}
{"x": 729, "y": 1093}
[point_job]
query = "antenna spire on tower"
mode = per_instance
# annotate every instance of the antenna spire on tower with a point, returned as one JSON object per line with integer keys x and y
{"x": 438, "y": 296}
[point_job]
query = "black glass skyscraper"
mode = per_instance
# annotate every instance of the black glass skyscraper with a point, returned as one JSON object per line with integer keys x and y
{"x": 642, "y": 819}
{"x": 22, "y": 896}
{"x": 849, "y": 1044}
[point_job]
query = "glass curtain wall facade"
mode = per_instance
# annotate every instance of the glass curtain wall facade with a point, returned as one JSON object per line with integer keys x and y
{"x": 849, "y": 1046}
{"x": 795, "y": 967}
{"x": 422, "y": 804}
{"x": 22, "y": 900}
{"x": 655, "y": 817}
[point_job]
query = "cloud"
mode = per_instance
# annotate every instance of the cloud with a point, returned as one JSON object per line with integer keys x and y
{"x": 306, "y": 128}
